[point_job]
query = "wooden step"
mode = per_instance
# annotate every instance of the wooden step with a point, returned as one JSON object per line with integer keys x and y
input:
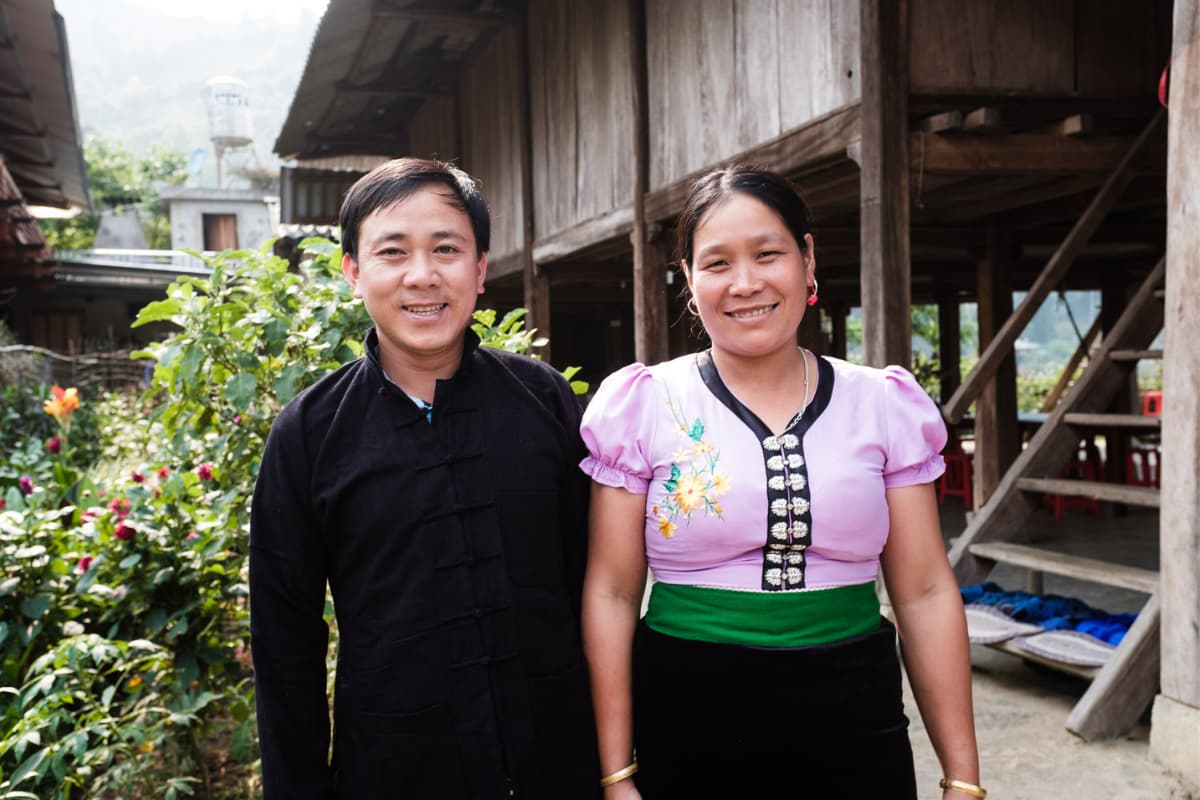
{"x": 1060, "y": 666}
{"x": 1112, "y": 421}
{"x": 1096, "y": 490}
{"x": 1135, "y": 355}
{"x": 1081, "y": 568}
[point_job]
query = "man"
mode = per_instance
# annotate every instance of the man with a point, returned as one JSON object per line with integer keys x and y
{"x": 432, "y": 483}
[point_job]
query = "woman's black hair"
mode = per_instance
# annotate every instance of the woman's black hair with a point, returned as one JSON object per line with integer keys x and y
{"x": 771, "y": 189}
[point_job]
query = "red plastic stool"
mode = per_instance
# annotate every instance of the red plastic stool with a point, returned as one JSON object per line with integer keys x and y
{"x": 1143, "y": 466}
{"x": 1152, "y": 404}
{"x": 956, "y": 480}
{"x": 1085, "y": 466}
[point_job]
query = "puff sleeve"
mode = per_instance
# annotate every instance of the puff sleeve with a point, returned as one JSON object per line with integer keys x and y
{"x": 916, "y": 433}
{"x": 618, "y": 430}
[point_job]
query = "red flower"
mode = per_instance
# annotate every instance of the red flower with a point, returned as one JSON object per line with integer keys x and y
{"x": 87, "y": 514}
{"x": 2, "y": 504}
{"x": 54, "y": 445}
{"x": 84, "y": 563}
{"x": 163, "y": 472}
{"x": 205, "y": 472}
{"x": 26, "y": 483}
{"x": 125, "y": 533}
{"x": 120, "y": 506}
{"x": 137, "y": 477}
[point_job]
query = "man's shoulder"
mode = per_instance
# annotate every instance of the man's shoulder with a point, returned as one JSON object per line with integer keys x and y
{"x": 322, "y": 399}
{"x": 530, "y": 371}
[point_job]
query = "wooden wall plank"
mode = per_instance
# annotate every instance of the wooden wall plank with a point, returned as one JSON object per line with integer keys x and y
{"x": 818, "y": 43}
{"x": 1180, "y": 520}
{"x": 731, "y": 74}
{"x": 1006, "y": 45}
{"x": 492, "y": 135}
{"x": 433, "y": 133}
{"x": 1132, "y": 69}
{"x": 580, "y": 95}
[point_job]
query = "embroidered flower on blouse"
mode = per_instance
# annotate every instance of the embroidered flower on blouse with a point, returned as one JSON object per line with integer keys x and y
{"x": 694, "y": 482}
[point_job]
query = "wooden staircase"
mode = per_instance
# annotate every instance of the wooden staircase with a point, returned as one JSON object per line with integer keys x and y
{"x": 1122, "y": 689}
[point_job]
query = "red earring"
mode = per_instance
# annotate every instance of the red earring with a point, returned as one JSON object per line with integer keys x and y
{"x": 812, "y": 297}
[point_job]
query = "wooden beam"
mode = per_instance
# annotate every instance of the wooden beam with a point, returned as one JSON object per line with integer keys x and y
{"x": 597, "y": 230}
{"x": 649, "y": 259}
{"x": 1074, "y": 125}
{"x": 535, "y": 280}
{"x": 1105, "y": 573}
{"x": 940, "y": 123}
{"x": 1056, "y": 268}
{"x": 997, "y": 434}
{"x": 884, "y": 196}
{"x": 1180, "y": 516}
{"x": 1023, "y": 154}
{"x": 982, "y": 120}
{"x": 477, "y": 19}
{"x": 819, "y": 142}
{"x": 1064, "y": 378}
{"x": 949, "y": 344}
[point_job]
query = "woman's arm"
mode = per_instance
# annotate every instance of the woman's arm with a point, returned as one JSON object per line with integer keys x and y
{"x": 612, "y": 601}
{"x": 933, "y": 629}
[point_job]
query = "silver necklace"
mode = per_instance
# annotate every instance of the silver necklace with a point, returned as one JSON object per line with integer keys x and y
{"x": 804, "y": 405}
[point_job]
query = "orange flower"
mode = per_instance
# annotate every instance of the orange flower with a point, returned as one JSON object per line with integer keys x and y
{"x": 62, "y": 405}
{"x": 666, "y": 527}
{"x": 135, "y": 681}
{"x": 689, "y": 492}
{"x": 720, "y": 484}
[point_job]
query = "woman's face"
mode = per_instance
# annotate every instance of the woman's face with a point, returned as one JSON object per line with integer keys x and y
{"x": 749, "y": 277}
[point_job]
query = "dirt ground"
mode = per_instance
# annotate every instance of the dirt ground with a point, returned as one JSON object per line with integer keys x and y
{"x": 1026, "y": 753}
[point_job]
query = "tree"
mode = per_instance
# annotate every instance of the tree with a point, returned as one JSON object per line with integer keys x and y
{"x": 118, "y": 178}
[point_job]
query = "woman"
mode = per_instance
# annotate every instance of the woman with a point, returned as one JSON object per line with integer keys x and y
{"x": 764, "y": 486}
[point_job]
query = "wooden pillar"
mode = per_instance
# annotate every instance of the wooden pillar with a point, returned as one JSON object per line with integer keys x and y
{"x": 649, "y": 263}
{"x": 997, "y": 434}
{"x": 838, "y": 311}
{"x": 535, "y": 279}
{"x": 949, "y": 344}
{"x": 809, "y": 334}
{"x": 1114, "y": 296}
{"x": 1175, "y": 728}
{"x": 884, "y": 213}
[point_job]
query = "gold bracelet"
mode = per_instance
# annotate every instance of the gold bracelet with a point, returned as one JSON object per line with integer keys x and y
{"x": 619, "y": 775}
{"x": 973, "y": 789}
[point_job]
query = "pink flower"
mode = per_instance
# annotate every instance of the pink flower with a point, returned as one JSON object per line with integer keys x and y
{"x": 26, "y": 484}
{"x": 237, "y": 419}
{"x": 2, "y": 503}
{"x": 125, "y": 533}
{"x": 163, "y": 472}
{"x": 85, "y": 563}
{"x": 88, "y": 514}
{"x": 191, "y": 537}
{"x": 54, "y": 445}
{"x": 137, "y": 477}
{"x": 205, "y": 472}
{"x": 120, "y": 506}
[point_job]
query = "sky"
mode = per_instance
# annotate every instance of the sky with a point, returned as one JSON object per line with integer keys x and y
{"x": 231, "y": 10}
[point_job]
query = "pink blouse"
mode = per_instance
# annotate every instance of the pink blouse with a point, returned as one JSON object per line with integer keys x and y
{"x": 730, "y": 506}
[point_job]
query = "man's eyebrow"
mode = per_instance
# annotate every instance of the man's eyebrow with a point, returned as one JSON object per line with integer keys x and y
{"x": 387, "y": 236}
{"x": 448, "y": 235}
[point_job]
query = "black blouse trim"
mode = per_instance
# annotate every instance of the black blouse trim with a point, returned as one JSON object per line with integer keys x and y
{"x": 789, "y": 501}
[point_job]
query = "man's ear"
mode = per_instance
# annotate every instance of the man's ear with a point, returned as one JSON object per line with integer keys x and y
{"x": 350, "y": 270}
{"x": 482, "y": 273}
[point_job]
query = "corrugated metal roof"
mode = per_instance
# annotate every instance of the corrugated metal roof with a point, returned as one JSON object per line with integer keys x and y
{"x": 373, "y": 64}
{"x": 39, "y": 130}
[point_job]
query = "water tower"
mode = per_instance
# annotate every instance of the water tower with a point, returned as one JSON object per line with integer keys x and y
{"x": 228, "y": 116}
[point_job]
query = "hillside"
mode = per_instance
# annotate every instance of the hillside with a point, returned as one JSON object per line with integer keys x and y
{"x": 140, "y": 74}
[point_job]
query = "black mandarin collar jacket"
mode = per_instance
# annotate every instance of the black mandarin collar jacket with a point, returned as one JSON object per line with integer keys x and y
{"x": 454, "y": 552}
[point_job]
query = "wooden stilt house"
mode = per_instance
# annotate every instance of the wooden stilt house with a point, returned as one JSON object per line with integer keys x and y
{"x": 951, "y": 151}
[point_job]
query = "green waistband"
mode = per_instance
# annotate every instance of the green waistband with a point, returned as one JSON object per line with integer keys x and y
{"x": 763, "y": 619}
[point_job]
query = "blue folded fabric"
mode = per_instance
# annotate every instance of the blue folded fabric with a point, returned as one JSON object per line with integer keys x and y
{"x": 1051, "y": 611}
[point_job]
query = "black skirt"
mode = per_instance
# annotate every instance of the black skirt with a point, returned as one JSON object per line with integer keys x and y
{"x": 728, "y": 721}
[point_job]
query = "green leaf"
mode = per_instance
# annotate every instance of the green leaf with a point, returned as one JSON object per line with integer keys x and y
{"x": 8, "y": 585}
{"x": 130, "y": 560}
{"x": 240, "y": 391}
{"x": 28, "y": 769}
{"x": 3, "y": 631}
{"x": 157, "y": 311}
{"x": 675, "y": 473}
{"x": 34, "y": 607}
{"x": 697, "y": 431}
{"x": 107, "y": 695}
{"x": 580, "y": 387}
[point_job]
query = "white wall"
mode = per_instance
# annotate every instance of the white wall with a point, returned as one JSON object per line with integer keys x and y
{"x": 257, "y": 221}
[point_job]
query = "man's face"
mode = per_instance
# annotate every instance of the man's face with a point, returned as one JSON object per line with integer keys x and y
{"x": 418, "y": 275}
